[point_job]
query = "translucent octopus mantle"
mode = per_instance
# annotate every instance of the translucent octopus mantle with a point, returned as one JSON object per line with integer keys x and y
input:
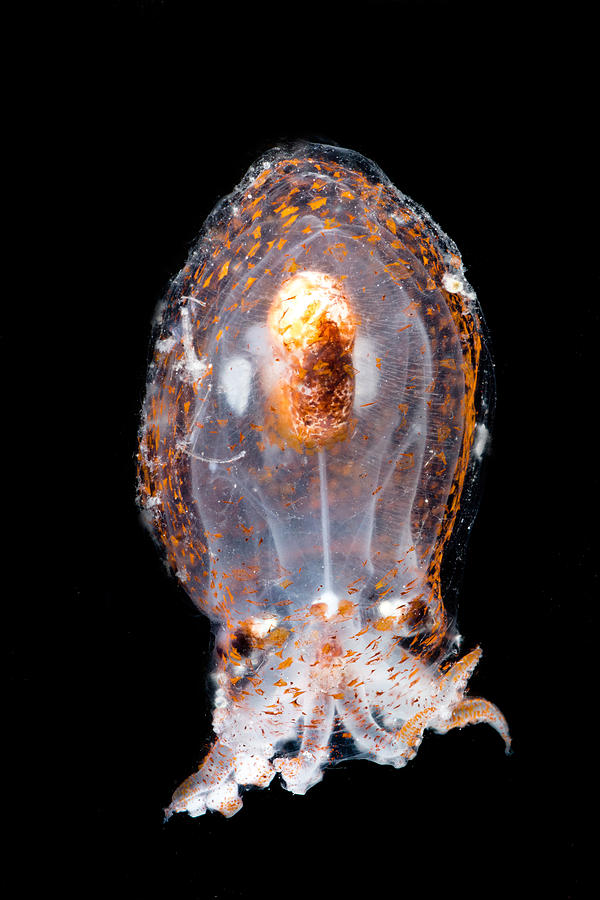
{"x": 314, "y": 411}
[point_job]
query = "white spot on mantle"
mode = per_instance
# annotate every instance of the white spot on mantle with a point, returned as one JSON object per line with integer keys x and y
{"x": 480, "y": 440}
{"x": 236, "y": 378}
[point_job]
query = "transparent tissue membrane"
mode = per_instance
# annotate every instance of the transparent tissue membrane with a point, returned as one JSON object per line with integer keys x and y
{"x": 314, "y": 398}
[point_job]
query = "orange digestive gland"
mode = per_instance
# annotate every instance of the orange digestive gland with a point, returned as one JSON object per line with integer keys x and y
{"x": 313, "y": 333}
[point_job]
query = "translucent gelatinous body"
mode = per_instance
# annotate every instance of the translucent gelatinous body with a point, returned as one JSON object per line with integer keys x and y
{"x": 307, "y": 433}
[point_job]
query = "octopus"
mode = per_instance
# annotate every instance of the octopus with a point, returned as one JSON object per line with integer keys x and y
{"x": 316, "y": 412}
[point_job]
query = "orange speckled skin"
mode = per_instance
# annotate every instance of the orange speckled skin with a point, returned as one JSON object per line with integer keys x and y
{"x": 305, "y": 495}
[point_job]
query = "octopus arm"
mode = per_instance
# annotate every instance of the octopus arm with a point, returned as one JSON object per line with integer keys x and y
{"x": 473, "y": 711}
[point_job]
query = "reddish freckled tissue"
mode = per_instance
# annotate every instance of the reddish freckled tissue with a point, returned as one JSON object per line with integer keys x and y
{"x": 316, "y": 413}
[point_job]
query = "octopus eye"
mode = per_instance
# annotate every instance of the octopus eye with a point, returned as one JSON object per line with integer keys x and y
{"x": 242, "y": 643}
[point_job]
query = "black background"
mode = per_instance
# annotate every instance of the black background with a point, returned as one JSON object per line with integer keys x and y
{"x": 480, "y": 113}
